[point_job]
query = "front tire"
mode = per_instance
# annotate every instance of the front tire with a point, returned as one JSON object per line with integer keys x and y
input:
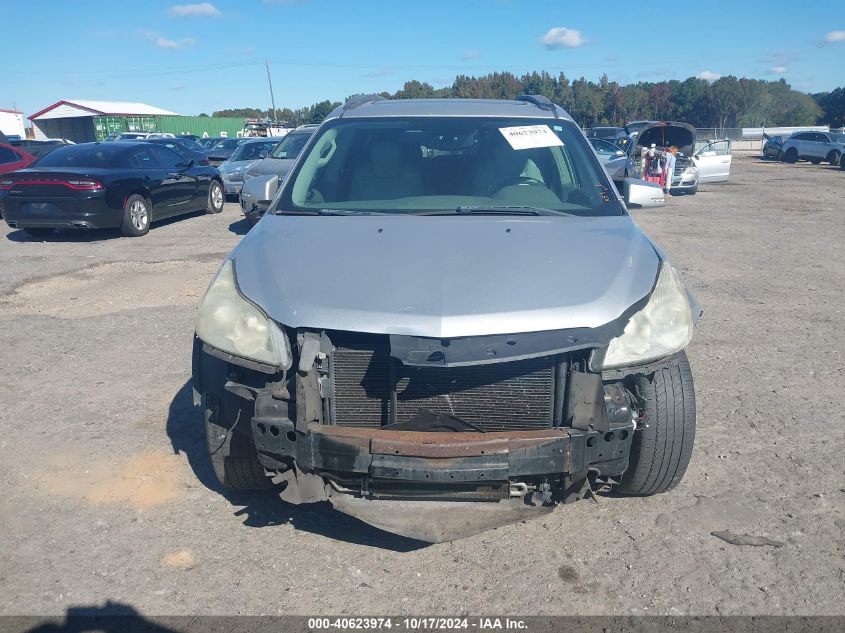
{"x": 216, "y": 198}
{"x": 136, "y": 216}
{"x": 791, "y": 155}
{"x": 233, "y": 454}
{"x": 834, "y": 158}
{"x": 663, "y": 442}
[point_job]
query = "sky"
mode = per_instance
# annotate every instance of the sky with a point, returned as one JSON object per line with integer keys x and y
{"x": 192, "y": 57}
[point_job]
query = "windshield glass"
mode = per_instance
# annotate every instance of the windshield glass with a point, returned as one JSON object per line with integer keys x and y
{"x": 291, "y": 145}
{"x": 227, "y": 143}
{"x": 83, "y": 155}
{"x": 837, "y": 138}
{"x": 422, "y": 164}
{"x": 252, "y": 151}
{"x": 603, "y": 147}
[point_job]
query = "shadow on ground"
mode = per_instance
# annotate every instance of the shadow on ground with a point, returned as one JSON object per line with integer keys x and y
{"x": 112, "y": 617}
{"x": 185, "y": 428}
{"x": 91, "y": 235}
{"x": 241, "y": 227}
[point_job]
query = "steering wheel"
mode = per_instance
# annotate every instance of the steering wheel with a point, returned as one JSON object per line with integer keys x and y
{"x": 520, "y": 180}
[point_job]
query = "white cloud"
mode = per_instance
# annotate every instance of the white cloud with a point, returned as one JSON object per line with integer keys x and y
{"x": 470, "y": 55}
{"x": 777, "y": 70}
{"x": 560, "y": 37}
{"x": 834, "y": 37}
{"x": 709, "y": 75}
{"x": 205, "y": 9}
{"x": 159, "y": 41}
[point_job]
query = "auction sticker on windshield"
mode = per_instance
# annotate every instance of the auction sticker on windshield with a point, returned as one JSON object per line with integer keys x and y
{"x": 530, "y": 136}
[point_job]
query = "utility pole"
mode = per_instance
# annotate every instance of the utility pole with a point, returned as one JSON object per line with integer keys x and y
{"x": 270, "y": 81}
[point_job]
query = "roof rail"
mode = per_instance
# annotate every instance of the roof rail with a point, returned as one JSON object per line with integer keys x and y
{"x": 357, "y": 100}
{"x": 541, "y": 102}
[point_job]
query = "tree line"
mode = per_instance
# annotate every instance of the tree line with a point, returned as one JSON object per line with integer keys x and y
{"x": 728, "y": 102}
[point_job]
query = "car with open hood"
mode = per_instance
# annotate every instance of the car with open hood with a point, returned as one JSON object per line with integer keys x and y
{"x": 694, "y": 165}
{"x": 447, "y": 321}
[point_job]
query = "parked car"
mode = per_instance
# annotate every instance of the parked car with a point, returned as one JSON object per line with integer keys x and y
{"x": 210, "y": 141}
{"x": 122, "y": 184}
{"x": 815, "y": 147}
{"x": 663, "y": 134}
{"x": 634, "y": 127}
{"x": 39, "y": 147}
{"x": 223, "y": 149}
{"x": 184, "y": 147}
{"x": 13, "y": 158}
{"x": 773, "y": 147}
{"x": 274, "y": 167}
{"x": 447, "y": 300}
{"x": 710, "y": 163}
{"x": 606, "y": 150}
{"x": 606, "y": 132}
{"x": 232, "y": 170}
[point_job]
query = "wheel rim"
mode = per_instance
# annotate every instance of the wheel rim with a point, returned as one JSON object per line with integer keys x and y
{"x": 216, "y": 196}
{"x": 138, "y": 215}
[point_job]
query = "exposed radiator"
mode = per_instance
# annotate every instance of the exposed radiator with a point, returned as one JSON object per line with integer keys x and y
{"x": 495, "y": 397}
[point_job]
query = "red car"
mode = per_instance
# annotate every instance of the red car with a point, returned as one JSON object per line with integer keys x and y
{"x": 12, "y": 158}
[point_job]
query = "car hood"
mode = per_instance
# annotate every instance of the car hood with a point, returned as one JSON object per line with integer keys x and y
{"x": 668, "y": 133}
{"x": 272, "y": 167}
{"x": 445, "y": 276}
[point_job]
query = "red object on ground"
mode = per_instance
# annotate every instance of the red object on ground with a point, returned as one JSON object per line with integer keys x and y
{"x": 12, "y": 158}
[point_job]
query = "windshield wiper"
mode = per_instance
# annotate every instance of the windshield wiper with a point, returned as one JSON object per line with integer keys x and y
{"x": 327, "y": 212}
{"x": 498, "y": 210}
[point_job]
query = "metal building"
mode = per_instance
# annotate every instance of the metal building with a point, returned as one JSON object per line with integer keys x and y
{"x": 82, "y": 121}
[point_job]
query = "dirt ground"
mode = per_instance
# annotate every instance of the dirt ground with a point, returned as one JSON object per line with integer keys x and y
{"x": 106, "y": 493}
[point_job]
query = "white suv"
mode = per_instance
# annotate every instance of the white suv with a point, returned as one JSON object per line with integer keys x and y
{"x": 814, "y": 147}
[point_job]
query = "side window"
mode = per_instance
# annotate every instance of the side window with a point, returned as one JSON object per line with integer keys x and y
{"x": 8, "y": 156}
{"x": 800, "y": 137}
{"x": 144, "y": 159}
{"x": 168, "y": 158}
{"x": 821, "y": 138}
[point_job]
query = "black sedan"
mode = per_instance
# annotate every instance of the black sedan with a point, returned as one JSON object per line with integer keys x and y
{"x": 187, "y": 148}
{"x": 122, "y": 184}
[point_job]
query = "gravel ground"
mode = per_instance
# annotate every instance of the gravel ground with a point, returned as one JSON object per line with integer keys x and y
{"x": 106, "y": 493}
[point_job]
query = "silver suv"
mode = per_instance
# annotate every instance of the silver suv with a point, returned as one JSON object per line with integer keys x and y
{"x": 814, "y": 147}
{"x": 447, "y": 321}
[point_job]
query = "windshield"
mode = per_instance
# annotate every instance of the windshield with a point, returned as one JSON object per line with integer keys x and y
{"x": 291, "y": 145}
{"x": 82, "y": 155}
{"x": 252, "y": 151}
{"x": 455, "y": 165}
{"x": 227, "y": 143}
{"x": 604, "y": 147}
{"x": 837, "y": 138}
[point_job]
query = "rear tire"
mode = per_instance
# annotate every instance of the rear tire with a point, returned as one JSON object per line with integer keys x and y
{"x": 791, "y": 155}
{"x": 136, "y": 216}
{"x": 233, "y": 454}
{"x": 38, "y": 232}
{"x": 663, "y": 442}
{"x": 216, "y": 198}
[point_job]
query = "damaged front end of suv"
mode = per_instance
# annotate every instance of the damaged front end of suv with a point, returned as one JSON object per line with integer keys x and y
{"x": 438, "y": 354}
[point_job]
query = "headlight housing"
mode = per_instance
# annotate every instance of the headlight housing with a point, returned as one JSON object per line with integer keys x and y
{"x": 663, "y": 327}
{"x": 232, "y": 324}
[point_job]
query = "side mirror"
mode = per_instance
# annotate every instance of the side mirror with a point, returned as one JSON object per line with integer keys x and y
{"x": 641, "y": 193}
{"x": 620, "y": 153}
{"x": 258, "y": 192}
